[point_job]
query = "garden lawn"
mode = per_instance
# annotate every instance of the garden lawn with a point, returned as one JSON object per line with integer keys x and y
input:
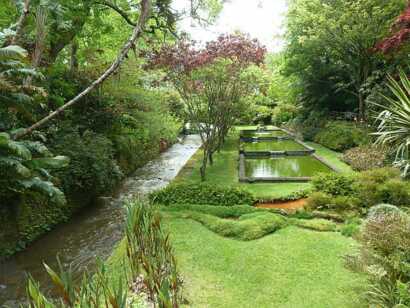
{"x": 293, "y": 267}
{"x": 225, "y": 170}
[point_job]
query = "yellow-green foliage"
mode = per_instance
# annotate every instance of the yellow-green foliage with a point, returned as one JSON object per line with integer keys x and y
{"x": 316, "y": 224}
{"x": 248, "y": 227}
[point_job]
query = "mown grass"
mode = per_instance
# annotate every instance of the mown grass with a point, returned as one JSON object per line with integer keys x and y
{"x": 292, "y": 267}
{"x": 225, "y": 170}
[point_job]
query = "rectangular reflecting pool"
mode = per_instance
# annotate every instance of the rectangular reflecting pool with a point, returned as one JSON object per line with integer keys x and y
{"x": 264, "y": 134}
{"x": 272, "y": 145}
{"x": 284, "y": 167}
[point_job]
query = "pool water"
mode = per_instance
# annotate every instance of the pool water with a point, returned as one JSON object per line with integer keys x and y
{"x": 272, "y": 145}
{"x": 266, "y": 134}
{"x": 275, "y": 167}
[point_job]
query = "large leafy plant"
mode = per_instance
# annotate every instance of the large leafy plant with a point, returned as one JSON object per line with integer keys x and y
{"x": 25, "y": 166}
{"x": 394, "y": 121}
{"x": 16, "y": 95}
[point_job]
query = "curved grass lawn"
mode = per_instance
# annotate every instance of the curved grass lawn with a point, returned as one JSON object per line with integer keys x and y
{"x": 293, "y": 267}
{"x": 225, "y": 169}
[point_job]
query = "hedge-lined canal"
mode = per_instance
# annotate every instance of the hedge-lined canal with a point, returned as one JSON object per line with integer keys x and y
{"x": 95, "y": 231}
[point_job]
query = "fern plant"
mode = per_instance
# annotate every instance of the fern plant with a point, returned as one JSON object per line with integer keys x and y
{"x": 394, "y": 121}
{"x": 25, "y": 166}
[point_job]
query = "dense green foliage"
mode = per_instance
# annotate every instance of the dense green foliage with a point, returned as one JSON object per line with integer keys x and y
{"x": 331, "y": 51}
{"x": 394, "y": 121}
{"x": 340, "y": 136}
{"x": 202, "y": 194}
{"x": 354, "y": 194}
{"x": 107, "y": 135}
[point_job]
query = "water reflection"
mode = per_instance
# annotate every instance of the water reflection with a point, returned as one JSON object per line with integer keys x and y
{"x": 301, "y": 166}
{"x": 273, "y": 145}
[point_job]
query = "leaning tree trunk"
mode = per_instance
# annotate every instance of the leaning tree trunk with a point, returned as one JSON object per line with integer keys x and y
{"x": 21, "y": 22}
{"x": 145, "y": 8}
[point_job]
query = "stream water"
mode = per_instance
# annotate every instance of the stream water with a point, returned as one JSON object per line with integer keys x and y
{"x": 94, "y": 232}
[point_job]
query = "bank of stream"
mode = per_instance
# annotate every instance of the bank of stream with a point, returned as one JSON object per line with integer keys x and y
{"x": 94, "y": 232}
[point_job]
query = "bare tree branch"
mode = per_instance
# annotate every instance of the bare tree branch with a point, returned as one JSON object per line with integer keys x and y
{"x": 145, "y": 9}
{"x": 118, "y": 10}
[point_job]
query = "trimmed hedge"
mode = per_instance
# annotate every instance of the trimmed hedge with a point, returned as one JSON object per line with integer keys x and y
{"x": 202, "y": 194}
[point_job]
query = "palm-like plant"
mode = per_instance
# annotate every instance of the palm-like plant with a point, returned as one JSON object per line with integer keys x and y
{"x": 394, "y": 122}
{"x": 25, "y": 166}
{"x": 15, "y": 95}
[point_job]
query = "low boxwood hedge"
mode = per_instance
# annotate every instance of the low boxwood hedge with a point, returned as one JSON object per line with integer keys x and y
{"x": 202, "y": 194}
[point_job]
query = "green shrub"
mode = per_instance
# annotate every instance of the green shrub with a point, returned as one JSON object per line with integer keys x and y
{"x": 351, "y": 227}
{"x": 382, "y": 186}
{"x": 340, "y": 136}
{"x": 283, "y": 113}
{"x": 323, "y": 201}
{"x": 358, "y": 192}
{"x": 334, "y": 184}
{"x": 395, "y": 192}
{"x": 93, "y": 169}
{"x": 308, "y": 124}
{"x": 365, "y": 157}
{"x": 201, "y": 194}
{"x": 318, "y": 201}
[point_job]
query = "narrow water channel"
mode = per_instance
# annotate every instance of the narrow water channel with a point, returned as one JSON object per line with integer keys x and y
{"x": 95, "y": 231}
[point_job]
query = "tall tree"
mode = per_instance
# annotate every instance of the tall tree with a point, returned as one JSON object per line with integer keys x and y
{"x": 212, "y": 83}
{"x": 138, "y": 30}
{"x": 331, "y": 43}
{"x": 399, "y": 35}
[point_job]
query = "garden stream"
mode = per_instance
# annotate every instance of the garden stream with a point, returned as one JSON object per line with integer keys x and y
{"x": 94, "y": 232}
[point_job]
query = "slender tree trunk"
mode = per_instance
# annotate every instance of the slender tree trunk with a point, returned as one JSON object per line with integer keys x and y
{"x": 362, "y": 108}
{"x": 21, "y": 22}
{"x": 73, "y": 58}
{"x": 145, "y": 8}
{"x": 203, "y": 166}
{"x": 211, "y": 158}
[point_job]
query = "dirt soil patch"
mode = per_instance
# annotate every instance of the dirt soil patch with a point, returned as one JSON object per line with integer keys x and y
{"x": 286, "y": 205}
